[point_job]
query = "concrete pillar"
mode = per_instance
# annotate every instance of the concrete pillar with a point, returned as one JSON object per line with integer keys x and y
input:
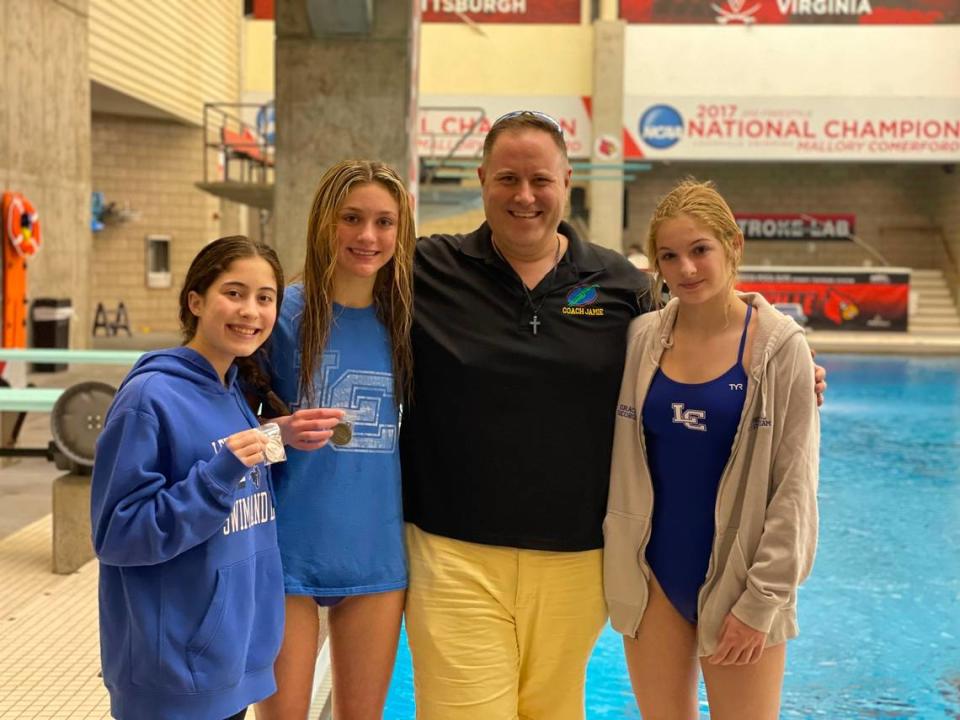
{"x": 606, "y": 196}
{"x": 339, "y": 96}
{"x": 72, "y": 544}
{"x": 45, "y": 141}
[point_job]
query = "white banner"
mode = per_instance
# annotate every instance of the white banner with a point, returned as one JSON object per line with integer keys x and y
{"x": 800, "y": 128}
{"x": 459, "y": 123}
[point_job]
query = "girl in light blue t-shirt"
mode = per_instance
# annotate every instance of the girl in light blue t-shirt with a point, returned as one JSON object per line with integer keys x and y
{"x": 341, "y": 355}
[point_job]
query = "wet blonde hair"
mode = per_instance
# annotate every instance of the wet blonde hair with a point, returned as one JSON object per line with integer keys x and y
{"x": 393, "y": 287}
{"x": 701, "y": 202}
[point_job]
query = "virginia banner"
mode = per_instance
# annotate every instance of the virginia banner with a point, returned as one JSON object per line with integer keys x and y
{"x": 798, "y": 12}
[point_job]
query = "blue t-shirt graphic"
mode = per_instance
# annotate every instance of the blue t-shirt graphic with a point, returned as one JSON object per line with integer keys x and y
{"x": 339, "y": 508}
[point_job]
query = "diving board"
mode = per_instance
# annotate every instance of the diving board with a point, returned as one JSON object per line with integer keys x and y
{"x": 28, "y": 399}
{"x": 58, "y": 355}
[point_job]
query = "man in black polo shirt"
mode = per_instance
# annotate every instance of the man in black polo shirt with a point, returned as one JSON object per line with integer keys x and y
{"x": 519, "y": 342}
{"x": 519, "y": 339}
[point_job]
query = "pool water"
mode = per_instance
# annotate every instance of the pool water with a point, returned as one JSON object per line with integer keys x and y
{"x": 880, "y": 616}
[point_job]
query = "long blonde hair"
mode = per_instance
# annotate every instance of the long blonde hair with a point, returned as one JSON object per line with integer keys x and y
{"x": 393, "y": 288}
{"x": 702, "y": 202}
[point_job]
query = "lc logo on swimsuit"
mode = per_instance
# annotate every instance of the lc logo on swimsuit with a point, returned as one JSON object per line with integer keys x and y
{"x": 580, "y": 299}
{"x": 690, "y": 419}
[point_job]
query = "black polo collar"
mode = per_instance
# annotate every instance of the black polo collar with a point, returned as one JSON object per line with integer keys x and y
{"x": 479, "y": 245}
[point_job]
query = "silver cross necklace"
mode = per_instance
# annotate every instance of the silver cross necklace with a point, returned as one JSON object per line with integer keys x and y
{"x": 535, "y": 319}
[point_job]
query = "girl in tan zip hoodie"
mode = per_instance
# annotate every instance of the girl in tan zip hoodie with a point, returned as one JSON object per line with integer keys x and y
{"x": 765, "y": 512}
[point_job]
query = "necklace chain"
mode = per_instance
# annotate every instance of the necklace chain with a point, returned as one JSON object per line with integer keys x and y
{"x": 535, "y": 319}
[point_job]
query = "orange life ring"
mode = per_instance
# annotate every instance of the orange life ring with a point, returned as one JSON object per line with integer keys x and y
{"x": 21, "y": 224}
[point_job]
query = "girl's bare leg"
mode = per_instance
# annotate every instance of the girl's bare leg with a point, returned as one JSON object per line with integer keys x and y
{"x": 294, "y": 665}
{"x": 747, "y": 692}
{"x": 662, "y": 661}
{"x": 364, "y": 631}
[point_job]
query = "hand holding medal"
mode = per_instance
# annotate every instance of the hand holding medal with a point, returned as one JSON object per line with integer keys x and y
{"x": 273, "y": 452}
{"x": 342, "y": 433}
{"x": 309, "y": 428}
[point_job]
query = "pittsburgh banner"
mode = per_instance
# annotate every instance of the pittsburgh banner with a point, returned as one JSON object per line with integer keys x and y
{"x": 501, "y": 11}
{"x": 797, "y": 226}
{"x": 795, "y": 12}
{"x": 837, "y": 298}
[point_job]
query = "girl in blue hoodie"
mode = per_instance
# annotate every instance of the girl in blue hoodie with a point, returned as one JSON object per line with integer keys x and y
{"x": 191, "y": 591}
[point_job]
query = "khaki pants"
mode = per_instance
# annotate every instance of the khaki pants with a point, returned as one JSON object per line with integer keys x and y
{"x": 499, "y": 633}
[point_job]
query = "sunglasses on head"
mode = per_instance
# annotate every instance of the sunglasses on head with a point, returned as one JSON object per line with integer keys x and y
{"x": 530, "y": 113}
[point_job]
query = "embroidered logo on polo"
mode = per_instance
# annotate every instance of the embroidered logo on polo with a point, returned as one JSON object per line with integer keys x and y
{"x": 580, "y": 300}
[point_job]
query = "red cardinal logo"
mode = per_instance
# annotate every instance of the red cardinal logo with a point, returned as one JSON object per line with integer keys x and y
{"x": 839, "y": 308}
{"x": 607, "y": 148}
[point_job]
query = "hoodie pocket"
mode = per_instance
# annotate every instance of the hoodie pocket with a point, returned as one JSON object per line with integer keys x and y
{"x": 625, "y": 571}
{"x": 730, "y": 584}
{"x": 243, "y": 626}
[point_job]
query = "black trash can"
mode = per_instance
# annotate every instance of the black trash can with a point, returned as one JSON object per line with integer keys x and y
{"x": 50, "y": 327}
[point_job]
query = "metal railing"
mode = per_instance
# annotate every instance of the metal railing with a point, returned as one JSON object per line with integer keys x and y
{"x": 237, "y": 141}
{"x": 951, "y": 270}
{"x": 945, "y": 260}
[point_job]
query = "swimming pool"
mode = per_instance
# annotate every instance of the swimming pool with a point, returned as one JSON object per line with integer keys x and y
{"x": 880, "y": 616}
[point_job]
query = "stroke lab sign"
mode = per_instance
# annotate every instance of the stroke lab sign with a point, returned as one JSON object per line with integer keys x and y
{"x": 804, "y": 12}
{"x": 795, "y": 226}
{"x": 836, "y": 298}
{"x": 783, "y": 128}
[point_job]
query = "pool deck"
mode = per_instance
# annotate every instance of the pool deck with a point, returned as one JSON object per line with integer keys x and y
{"x": 886, "y": 343}
{"x": 48, "y": 629}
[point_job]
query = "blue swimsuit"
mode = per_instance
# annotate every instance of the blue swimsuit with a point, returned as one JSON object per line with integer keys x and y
{"x": 689, "y": 431}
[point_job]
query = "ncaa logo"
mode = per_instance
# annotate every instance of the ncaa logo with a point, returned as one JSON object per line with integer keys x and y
{"x": 661, "y": 126}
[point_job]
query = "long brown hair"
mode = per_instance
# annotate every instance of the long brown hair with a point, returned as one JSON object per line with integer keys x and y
{"x": 393, "y": 288}
{"x": 212, "y": 261}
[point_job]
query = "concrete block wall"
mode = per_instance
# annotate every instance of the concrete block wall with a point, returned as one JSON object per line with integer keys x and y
{"x": 150, "y": 166}
{"x": 896, "y": 206}
{"x": 45, "y": 139}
